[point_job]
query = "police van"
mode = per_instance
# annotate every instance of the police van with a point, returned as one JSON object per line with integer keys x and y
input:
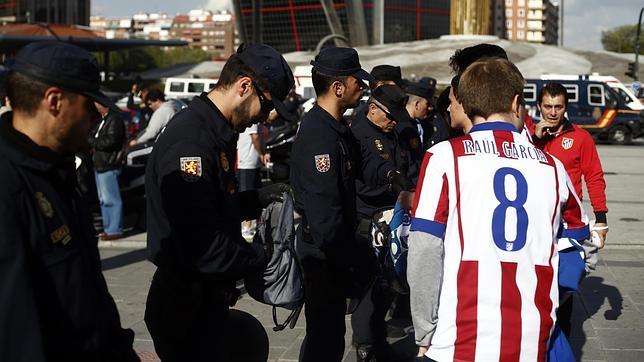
{"x": 630, "y": 99}
{"x": 187, "y": 88}
{"x": 593, "y": 105}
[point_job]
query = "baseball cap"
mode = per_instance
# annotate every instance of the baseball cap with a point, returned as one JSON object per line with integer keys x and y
{"x": 392, "y": 97}
{"x": 387, "y": 72}
{"x": 63, "y": 65}
{"x": 336, "y": 61}
{"x": 271, "y": 67}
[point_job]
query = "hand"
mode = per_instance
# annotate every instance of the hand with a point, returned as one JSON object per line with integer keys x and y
{"x": 272, "y": 193}
{"x": 602, "y": 231}
{"x": 540, "y": 128}
{"x": 135, "y": 88}
{"x": 406, "y": 199}
{"x": 265, "y": 158}
{"x": 398, "y": 182}
{"x": 132, "y": 142}
{"x": 421, "y": 351}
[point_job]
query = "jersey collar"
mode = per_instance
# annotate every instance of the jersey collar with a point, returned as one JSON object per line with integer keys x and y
{"x": 493, "y": 126}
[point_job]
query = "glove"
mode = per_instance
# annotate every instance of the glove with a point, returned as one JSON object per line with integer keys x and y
{"x": 398, "y": 182}
{"x": 272, "y": 193}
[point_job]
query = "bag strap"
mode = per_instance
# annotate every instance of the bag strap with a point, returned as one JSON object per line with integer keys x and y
{"x": 290, "y": 321}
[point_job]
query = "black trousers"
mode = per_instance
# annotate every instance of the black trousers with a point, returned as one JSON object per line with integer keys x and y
{"x": 564, "y": 315}
{"x": 325, "y": 307}
{"x": 368, "y": 321}
{"x": 188, "y": 321}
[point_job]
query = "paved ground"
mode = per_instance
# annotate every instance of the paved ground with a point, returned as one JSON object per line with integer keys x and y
{"x": 608, "y": 318}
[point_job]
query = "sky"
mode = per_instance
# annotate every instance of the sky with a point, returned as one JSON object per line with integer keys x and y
{"x": 584, "y": 19}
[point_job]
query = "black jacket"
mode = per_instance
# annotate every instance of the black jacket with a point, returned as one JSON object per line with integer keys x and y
{"x": 380, "y": 153}
{"x": 325, "y": 161}
{"x": 410, "y": 141}
{"x": 192, "y": 209}
{"x": 54, "y": 302}
{"x": 107, "y": 141}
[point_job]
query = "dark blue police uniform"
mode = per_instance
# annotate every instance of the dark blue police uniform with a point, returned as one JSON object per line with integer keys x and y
{"x": 194, "y": 217}
{"x": 324, "y": 166}
{"x": 193, "y": 234}
{"x": 381, "y": 155}
{"x": 54, "y": 302}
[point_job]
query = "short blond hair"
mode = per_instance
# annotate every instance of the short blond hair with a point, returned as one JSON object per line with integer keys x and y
{"x": 489, "y": 86}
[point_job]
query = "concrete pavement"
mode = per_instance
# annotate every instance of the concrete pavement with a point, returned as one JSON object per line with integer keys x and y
{"x": 608, "y": 316}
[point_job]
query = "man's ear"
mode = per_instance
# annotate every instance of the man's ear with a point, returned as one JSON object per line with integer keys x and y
{"x": 244, "y": 85}
{"x": 52, "y": 99}
{"x": 515, "y": 104}
{"x": 338, "y": 88}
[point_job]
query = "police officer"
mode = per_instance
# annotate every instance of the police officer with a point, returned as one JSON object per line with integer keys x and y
{"x": 54, "y": 302}
{"x": 410, "y": 130}
{"x": 194, "y": 213}
{"x": 323, "y": 171}
{"x": 382, "y": 159}
{"x": 382, "y": 75}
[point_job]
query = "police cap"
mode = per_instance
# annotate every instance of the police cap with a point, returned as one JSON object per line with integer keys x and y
{"x": 271, "y": 67}
{"x": 388, "y": 72}
{"x": 63, "y": 65}
{"x": 419, "y": 89}
{"x": 336, "y": 61}
{"x": 392, "y": 97}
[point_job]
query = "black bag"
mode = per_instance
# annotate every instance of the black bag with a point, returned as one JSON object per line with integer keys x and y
{"x": 281, "y": 283}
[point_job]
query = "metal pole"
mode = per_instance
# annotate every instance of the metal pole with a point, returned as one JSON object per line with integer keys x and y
{"x": 561, "y": 22}
{"x": 378, "y": 22}
{"x": 636, "y": 68}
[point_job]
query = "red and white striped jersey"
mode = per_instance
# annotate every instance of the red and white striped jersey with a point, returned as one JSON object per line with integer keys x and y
{"x": 499, "y": 204}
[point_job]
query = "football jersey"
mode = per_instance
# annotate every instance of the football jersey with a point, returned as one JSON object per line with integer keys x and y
{"x": 499, "y": 204}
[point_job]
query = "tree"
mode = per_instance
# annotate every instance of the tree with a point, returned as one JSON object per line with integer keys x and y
{"x": 621, "y": 39}
{"x": 141, "y": 59}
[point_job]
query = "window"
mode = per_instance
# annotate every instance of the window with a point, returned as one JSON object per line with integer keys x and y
{"x": 521, "y": 2}
{"x": 595, "y": 94}
{"x": 520, "y": 24}
{"x": 508, "y": 13}
{"x": 195, "y": 87}
{"x": 176, "y": 87}
{"x": 520, "y": 35}
{"x": 508, "y": 24}
{"x": 573, "y": 92}
{"x": 530, "y": 92}
{"x": 508, "y": 2}
{"x": 211, "y": 85}
{"x": 521, "y": 13}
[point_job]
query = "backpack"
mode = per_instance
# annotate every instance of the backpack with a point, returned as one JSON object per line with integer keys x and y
{"x": 280, "y": 284}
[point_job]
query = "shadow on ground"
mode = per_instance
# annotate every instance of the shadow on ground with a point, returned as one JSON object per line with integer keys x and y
{"x": 588, "y": 302}
{"x": 124, "y": 259}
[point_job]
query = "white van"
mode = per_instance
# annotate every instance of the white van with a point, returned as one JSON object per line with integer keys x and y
{"x": 627, "y": 95}
{"x": 303, "y": 81}
{"x": 187, "y": 87}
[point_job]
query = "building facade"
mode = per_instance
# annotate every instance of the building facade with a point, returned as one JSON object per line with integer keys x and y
{"x": 214, "y": 33}
{"x": 535, "y": 21}
{"x": 289, "y": 26}
{"x": 45, "y": 11}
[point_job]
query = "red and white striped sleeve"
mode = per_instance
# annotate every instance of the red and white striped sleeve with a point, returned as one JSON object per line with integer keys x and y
{"x": 431, "y": 203}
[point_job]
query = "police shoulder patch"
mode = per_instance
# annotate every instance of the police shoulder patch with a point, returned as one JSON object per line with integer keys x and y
{"x": 566, "y": 143}
{"x": 44, "y": 204}
{"x": 323, "y": 162}
{"x": 379, "y": 145}
{"x": 191, "y": 169}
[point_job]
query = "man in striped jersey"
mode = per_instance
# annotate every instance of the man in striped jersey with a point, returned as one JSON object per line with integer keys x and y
{"x": 489, "y": 207}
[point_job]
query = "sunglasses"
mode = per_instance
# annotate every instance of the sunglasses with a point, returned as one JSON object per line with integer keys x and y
{"x": 387, "y": 114}
{"x": 265, "y": 104}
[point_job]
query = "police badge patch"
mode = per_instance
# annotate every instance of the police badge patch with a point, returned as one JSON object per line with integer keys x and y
{"x": 379, "y": 145}
{"x": 323, "y": 162}
{"x": 44, "y": 204}
{"x": 190, "y": 168}
{"x": 566, "y": 143}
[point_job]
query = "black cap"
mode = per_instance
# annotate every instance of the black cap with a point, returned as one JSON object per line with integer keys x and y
{"x": 388, "y": 72}
{"x": 271, "y": 67}
{"x": 392, "y": 97}
{"x": 63, "y": 65}
{"x": 419, "y": 89}
{"x": 340, "y": 62}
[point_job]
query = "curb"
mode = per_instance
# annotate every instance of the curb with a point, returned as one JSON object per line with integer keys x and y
{"x": 122, "y": 244}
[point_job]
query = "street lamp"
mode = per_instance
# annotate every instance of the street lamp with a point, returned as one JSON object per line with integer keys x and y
{"x": 637, "y": 45}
